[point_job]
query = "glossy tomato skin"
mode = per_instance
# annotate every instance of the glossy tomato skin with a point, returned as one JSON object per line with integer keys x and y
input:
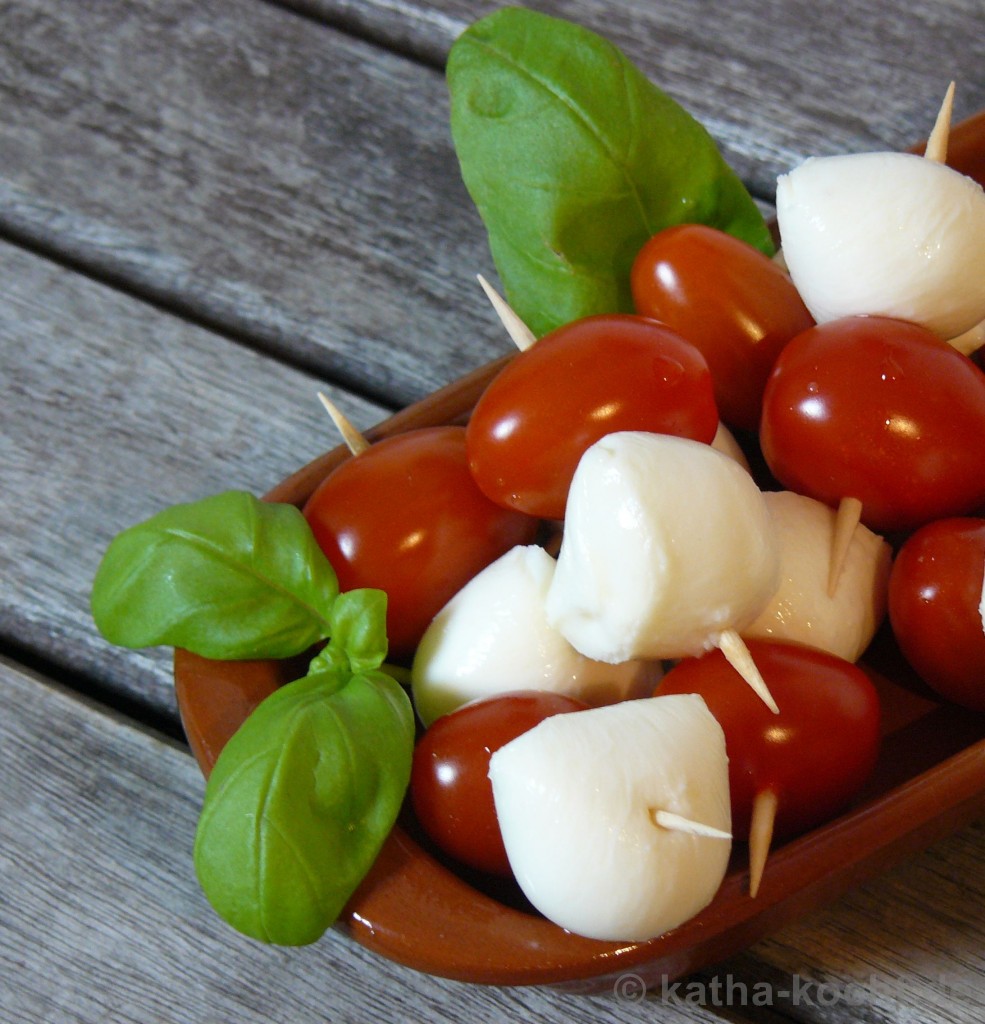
{"x": 880, "y": 410}
{"x": 815, "y": 754}
{"x": 935, "y": 589}
{"x": 450, "y": 789}
{"x": 406, "y": 516}
{"x": 727, "y": 298}
{"x": 582, "y": 381}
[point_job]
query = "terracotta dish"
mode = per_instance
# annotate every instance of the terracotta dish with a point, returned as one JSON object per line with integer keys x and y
{"x": 417, "y": 910}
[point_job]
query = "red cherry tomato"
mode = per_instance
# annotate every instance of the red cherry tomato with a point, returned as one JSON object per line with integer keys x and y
{"x": 587, "y": 379}
{"x": 880, "y": 410}
{"x": 814, "y": 755}
{"x": 935, "y": 589}
{"x": 406, "y": 516}
{"x": 449, "y": 786}
{"x": 735, "y": 304}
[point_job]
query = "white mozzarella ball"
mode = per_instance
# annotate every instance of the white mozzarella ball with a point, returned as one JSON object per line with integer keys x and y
{"x": 667, "y": 544}
{"x": 493, "y": 636}
{"x": 576, "y": 798}
{"x": 725, "y": 442}
{"x": 889, "y": 234}
{"x": 801, "y": 610}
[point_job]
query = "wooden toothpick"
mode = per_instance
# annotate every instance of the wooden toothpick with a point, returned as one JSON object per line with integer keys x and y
{"x": 354, "y": 441}
{"x": 737, "y": 655}
{"x": 521, "y": 334}
{"x": 846, "y": 521}
{"x": 678, "y": 823}
{"x": 760, "y": 836}
{"x": 937, "y": 143}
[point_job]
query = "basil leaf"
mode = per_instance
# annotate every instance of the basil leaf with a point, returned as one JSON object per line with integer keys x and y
{"x": 227, "y": 577}
{"x": 574, "y": 159}
{"x": 300, "y": 802}
{"x": 358, "y": 641}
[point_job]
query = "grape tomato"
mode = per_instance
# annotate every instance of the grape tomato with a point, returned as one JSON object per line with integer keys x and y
{"x": 406, "y": 516}
{"x": 935, "y": 590}
{"x": 814, "y": 755}
{"x": 724, "y": 296}
{"x": 880, "y": 410}
{"x": 587, "y": 379}
{"x": 450, "y": 789}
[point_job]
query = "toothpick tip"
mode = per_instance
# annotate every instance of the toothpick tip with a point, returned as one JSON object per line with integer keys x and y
{"x": 518, "y": 331}
{"x": 677, "y": 823}
{"x": 353, "y": 439}
{"x": 737, "y": 655}
{"x": 760, "y": 836}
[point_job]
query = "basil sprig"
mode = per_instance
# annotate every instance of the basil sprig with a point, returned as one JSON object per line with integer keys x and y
{"x": 305, "y": 792}
{"x": 227, "y": 577}
{"x": 574, "y": 159}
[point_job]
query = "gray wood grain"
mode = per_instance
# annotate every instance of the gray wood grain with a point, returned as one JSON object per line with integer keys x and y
{"x": 112, "y": 410}
{"x": 253, "y": 170}
{"x": 774, "y": 80}
{"x": 260, "y": 171}
{"x": 913, "y": 939}
{"x": 293, "y": 187}
{"x": 102, "y": 920}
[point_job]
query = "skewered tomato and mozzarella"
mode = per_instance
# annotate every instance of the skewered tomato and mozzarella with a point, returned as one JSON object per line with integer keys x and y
{"x": 734, "y": 304}
{"x": 493, "y": 635}
{"x": 880, "y": 410}
{"x": 405, "y": 516}
{"x": 580, "y": 800}
{"x": 885, "y": 234}
{"x": 575, "y": 385}
{"x": 667, "y": 544}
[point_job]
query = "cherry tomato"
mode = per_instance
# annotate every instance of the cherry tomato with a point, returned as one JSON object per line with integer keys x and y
{"x": 880, "y": 410}
{"x": 449, "y": 786}
{"x": 588, "y": 378}
{"x": 406, "y": 516}
{"x": 735, "y": 304}
{"x": 935, "y": 589}
{"x": 814, "y": 755}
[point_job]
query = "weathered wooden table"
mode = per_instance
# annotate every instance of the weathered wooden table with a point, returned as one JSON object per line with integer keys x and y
{"x": 207, "y": 213}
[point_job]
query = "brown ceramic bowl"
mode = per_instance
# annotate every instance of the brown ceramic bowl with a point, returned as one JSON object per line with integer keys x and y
{"x": 419, "y": 911}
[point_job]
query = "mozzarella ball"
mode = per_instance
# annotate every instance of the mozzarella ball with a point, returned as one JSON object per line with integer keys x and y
{"x": 576, "y": 798}
{"x": 667, "y": 544}
{"x": 493, "y": 636}
{"x": 888, "y": 234}
{"x": 801, "y": 610}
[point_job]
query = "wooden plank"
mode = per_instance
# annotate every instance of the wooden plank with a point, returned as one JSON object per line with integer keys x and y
{"x": 253, "y": 170}
{"x": 774, "y": 82}
{"x": 102, "y": 920}
{"x": 298, "y": 186}
{"x": 908, "y": 946}
{"x": 112, "y": 410}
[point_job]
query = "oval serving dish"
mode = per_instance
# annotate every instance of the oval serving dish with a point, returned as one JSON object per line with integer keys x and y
{"x": 416, "y": 909}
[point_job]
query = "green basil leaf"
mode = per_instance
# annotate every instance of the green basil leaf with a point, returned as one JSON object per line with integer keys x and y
{"x": 300, "y": 801}
{"x": 227, "y": 577}
{"x": 358, "y": 642}
{"x": 574, "y": 159}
